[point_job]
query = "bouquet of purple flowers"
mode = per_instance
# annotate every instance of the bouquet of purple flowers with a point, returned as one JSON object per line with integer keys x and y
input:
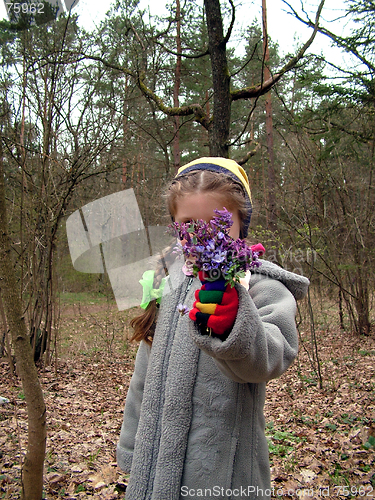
{"x": 208, "y": 248}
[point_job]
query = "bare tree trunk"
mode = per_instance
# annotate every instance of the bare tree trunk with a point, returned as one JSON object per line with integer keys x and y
{"x": 314, "y": 343}
{"x": 269, "y": 127}
{"x": 341, "y": 311}
{"x": 219, "y": 130}
{"x": 6, "y": 336}
{"x": 125, "y": 128}
{"x": 176, "y": 92}
{"x": 32, "y": 472}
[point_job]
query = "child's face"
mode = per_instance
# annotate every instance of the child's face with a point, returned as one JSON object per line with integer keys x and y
{"x": 202, "y": 206}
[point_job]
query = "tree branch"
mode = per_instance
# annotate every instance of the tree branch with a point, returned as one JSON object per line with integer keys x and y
{"x": 264, "y": 87}
{"x": 81, "y": 56}
{"x": 230, "y": 29}
{"x": 341, "y": 42}
{"x": 192, "y": 109}
{"x": 181, "y": 54}
{"x": 249, "y": 154}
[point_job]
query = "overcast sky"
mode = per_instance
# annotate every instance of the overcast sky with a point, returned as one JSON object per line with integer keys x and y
{"x": 282, "y": 27}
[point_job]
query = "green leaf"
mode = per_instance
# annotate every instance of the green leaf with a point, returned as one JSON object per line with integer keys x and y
{"x": 332, "y": 427}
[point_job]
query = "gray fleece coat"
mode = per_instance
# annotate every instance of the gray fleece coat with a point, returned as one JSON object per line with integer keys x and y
{"x": 193, "y": 421}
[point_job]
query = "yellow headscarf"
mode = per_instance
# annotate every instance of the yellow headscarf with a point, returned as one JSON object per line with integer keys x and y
{"x": 227, "y": 167}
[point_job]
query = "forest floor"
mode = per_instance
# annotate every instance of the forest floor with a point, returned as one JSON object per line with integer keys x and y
{"x": 321, "y": 440}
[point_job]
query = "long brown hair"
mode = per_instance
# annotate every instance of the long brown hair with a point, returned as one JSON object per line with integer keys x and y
{"x": 202, "y": 181}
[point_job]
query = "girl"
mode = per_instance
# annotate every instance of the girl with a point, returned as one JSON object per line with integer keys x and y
{"x": 193, "y": 421}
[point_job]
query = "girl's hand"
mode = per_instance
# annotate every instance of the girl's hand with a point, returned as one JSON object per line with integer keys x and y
{"x": 215, "y": 308}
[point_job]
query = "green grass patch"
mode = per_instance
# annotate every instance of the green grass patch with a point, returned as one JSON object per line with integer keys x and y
{"x": 280, "y": 442}
{"x": 370, "y": 443}
{"x": 365, "y": 352}
{"x": 86, "y": 298}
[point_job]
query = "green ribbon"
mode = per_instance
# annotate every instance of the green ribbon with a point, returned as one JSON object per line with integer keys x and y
{"x": 150, "y": 293}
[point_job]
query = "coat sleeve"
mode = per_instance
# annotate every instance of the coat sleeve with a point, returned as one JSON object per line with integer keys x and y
{"x": 125, "y": 446}
{"x": 263, "y": 341}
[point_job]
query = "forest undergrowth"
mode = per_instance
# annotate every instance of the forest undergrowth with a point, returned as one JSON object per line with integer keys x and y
{"x": 321, "y": 440}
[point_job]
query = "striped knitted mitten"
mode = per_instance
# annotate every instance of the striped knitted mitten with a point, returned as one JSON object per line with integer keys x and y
{"x": 215, "y": 308}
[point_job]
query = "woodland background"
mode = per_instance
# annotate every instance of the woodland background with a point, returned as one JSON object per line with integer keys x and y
{"x": 86, "y": 114}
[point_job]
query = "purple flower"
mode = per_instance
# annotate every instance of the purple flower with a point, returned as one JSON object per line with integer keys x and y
{"x": 219, "y": 257}
{"x": 208, "y": 247}
{"x": 188, "y": 268}
{"x": 182, "y": 309}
